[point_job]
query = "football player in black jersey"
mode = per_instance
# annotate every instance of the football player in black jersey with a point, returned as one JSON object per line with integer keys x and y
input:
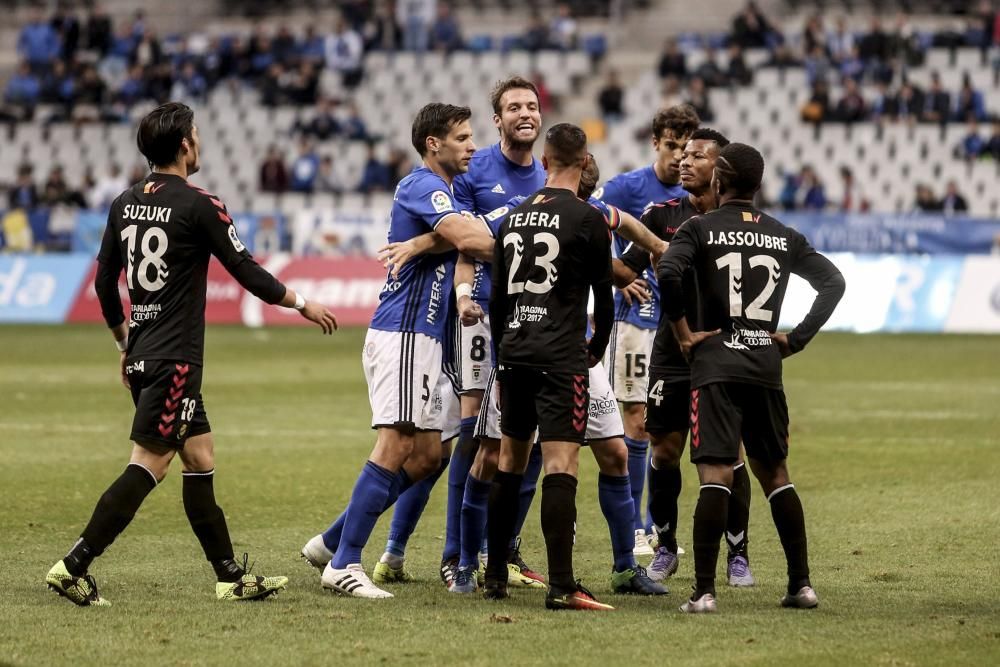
{"x": 554, "y": 248}
{"x": 670, "y": 376}
{"x": 162, "y": 232}
{"x": 742, "y": 259}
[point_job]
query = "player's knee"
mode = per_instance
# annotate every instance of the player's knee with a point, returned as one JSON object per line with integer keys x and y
{"x": 611, "y": 456}
{"x": 770, "y": 475}
{"x": 667, "y": 451}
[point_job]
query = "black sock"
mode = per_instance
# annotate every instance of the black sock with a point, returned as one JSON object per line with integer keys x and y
{"x": 709, "y": 522}
{"x": 786, "y": 510}
{"x": 500, "y": 519}
{"x": 209, "y": 524}
{"x": 559, "y": 528}
{"x": 111, "y": 516}
{"x": 664, "y": 489}
{"x": 737, "y": 525}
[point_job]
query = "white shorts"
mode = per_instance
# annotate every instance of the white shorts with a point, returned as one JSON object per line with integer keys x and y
{"x": 627, "y": 360}
{"x": 451, "y": 409}
{"x": 476, "y": 357}
{"x": 403, "y": 371}
{"x": 605, "y": 420}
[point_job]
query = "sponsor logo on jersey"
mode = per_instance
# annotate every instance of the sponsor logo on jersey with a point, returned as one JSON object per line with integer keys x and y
{"x": 235, "y": 240}
{"x": 441, "y": 201}
{"x": 434, "y": 303}
{"x": 744, "y": 339}
{"x": 498, "y": 189}
{"x": 603, "y": 405}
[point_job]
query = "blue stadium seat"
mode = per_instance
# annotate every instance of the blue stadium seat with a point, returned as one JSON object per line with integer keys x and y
{"x": 480, "y": 43}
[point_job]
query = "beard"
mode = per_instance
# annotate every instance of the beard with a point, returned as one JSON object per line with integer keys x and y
{"x": 517, "y": 144}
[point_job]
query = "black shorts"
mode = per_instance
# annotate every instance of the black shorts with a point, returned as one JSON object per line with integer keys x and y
{"x": 168, "y": 405}
{"x": 667, "y": 401}
{"x": 555, "y": 403}
{"x": 723, "y": 413}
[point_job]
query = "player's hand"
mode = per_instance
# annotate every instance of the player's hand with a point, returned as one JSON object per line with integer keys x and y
{"x": 124, "y": 374}
{"x": 320, "y": 314}
{"x": 395, "y": 255}
{"x": 696, "y": 338}
{"x": 469, "y": 311}
{"x": 781, "y": 340}
{"x": 637, "y": 290}
{"x": 657, "y": 253}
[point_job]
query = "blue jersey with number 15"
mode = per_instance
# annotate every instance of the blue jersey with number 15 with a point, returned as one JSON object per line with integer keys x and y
{"x": 489, "y": 184}
{"x": 417, "y": 301}
{"x": 634, "y": 192}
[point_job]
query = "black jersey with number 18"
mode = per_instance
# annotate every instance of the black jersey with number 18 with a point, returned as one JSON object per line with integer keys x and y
{"x": 552, "y": 250}
{"x": 162, "y": 231}
{"x": 742, "y": 260}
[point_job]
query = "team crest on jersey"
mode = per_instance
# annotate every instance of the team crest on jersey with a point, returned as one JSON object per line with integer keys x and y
{"x": 441, "y": 201}
{"x": 236, "y": 239}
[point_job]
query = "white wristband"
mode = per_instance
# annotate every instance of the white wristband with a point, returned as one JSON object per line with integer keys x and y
{"x": 122, "y": 344}
{"x": 463, "y": 289}
{"x": 300, "y": 302}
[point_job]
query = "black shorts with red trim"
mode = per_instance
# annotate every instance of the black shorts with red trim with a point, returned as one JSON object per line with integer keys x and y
{"x": 667, "y": 401}
{"x": 724, "y": 413}
{"x": 554, "y": 402}
{"x": 168, "y": 405}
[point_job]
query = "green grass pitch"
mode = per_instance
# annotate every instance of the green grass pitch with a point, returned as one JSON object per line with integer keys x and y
{"x": 895, "y": 450}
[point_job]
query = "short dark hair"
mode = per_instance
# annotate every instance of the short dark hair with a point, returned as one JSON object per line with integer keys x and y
{"x": 510, "y": 83}
{"x": 708, "y": 134}
{"x": 436, "y": 120}
{"x": 740, "y": 169}
{"x": 566, "y": 145}
{"x": 161, "y": 132}
{"x": 589, "y": 178}
{"x": 682, "y": 119}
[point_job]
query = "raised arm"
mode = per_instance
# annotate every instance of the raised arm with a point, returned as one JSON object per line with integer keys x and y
{"x": 635, "y": 231}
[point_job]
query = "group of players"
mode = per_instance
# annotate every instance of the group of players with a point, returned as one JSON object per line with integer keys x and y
{"x": 482, "y": 333}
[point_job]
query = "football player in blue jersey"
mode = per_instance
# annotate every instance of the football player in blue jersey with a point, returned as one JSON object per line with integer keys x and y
{"x": 402, "y": 355}
{"x": 627, "y": 358}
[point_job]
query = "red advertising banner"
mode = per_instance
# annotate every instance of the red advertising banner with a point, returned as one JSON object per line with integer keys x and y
{"x": 348, "y": 286}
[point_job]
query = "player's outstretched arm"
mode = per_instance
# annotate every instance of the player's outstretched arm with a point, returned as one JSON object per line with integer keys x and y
{"x": 396, "y": 255}
{"x": 469, "y": 237}
{"x": 312, "y": 311}
{"x": 636, "y": 232}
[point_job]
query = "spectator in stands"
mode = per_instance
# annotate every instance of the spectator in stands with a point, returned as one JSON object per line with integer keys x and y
{"x": 670, "y": 95}
{"x": 546, "y": 102}
{"x": 303, "y": 84}
{"x": 24, "y": 195}
{"x": 817, "y": 66}
{"x": 738, "y": 73}
{"x": 611, "y": 99}
{"x": 811, "y": 191}
{"x": 107, "y": 189}
{"x": 851, "y": 108}
{"x": 148, "y": 52}
{"x": 937, "y": 102}
{"x": 953, "y": 201}
{"x": 190, "y": 86}
{"x": 446, "y": 36}
{"x": 38, "y": 43}
{"x": 272, "y": 86}
{"x": 310, "y": 48}
{"x": 283, "y": 45}
{"x": 909, "y": 102}
{"x": 536, "y": 37}
{"x": 783, "y": 57}
{"x": 874, "y": 45}
{"x": 326, "y": 180}
{"x": 22, "y": 93}
{"x": 138, "y": 172}
{"x": 672, "y": 61}
{"x": 817, "y": 109}
{"x": 969, "y": 101}
{"x": 925, "y": 201}
{"x": 98, "y": 30}
{"x": 851, "y": 65}
{"x": 709, "y": 70}
{"x": 840, "y": 42}
{"x": 67, "y": 27}
{"x": 266, "y": 240}
{"x": 376, "y": 176}
{"x": 697, "y": 96}
{"x": 972, "y": 144}
{"x": 382, "y": 32}
{"x": 304, "y": 168}
{"x": 751, "y": 29}
{"x": 91, "y": 90}
{"x": 885, "y": 106}
{"x": 273, "y": 173}
{"x": 133, "y": 88}
{"x": 353, "y": 127}
{"x": 399, "y": 164}
{"x": 344, "y": 53}
{"x": 57, "y": 191}
{"x": 992, "y": 147}
{"x": 852, "y": 200}
{"x": 563, "y": 28}
{"x": 415, "y": 18}
{"x": 323, "y": 125}
{"x": 904, "y": 43}
{"x": 814, "y": 36}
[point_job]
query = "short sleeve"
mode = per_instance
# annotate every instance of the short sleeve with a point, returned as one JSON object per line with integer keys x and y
{"x": 615, "y": 192}
{"x": 430, "y": 201}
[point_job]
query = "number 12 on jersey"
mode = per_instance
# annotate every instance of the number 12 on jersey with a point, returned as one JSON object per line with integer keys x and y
{"x": 734, "y": 262}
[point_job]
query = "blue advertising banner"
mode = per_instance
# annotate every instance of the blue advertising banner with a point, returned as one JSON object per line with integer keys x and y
{"x": 898, "y": 234}
{"x": 40, "y": 288}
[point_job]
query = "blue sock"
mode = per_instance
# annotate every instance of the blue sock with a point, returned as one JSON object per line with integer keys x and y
{"x": 528, "y": 486}
{"x": 331, "y": 536}
{"x": 409, "y": 508}
{"x": 615, "y": 497}
{"x": 368, "y": 500}
{"x": 461, "y": 462}
{"x": 637, "y": 476}
{"x": 474, "y": 507}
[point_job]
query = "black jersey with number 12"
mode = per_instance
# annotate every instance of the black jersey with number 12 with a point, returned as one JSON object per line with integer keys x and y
{"x": 162, "y": 231}
{"x": 551, "y": 251}
{"x": 742, "y": 260}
